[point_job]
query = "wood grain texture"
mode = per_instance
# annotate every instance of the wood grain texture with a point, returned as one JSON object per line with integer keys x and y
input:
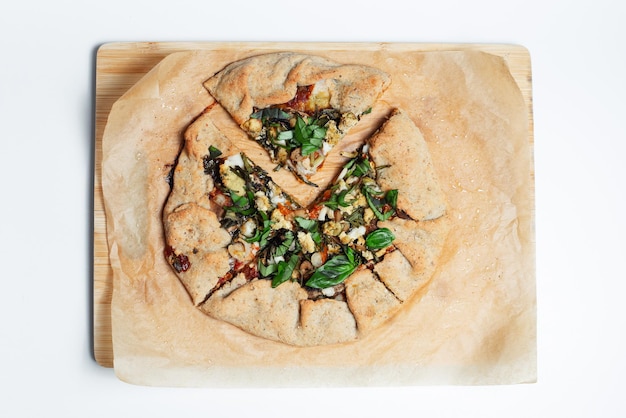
{"x": 120, "y": 65}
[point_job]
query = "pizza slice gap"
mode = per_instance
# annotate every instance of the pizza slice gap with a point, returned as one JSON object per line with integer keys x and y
{"x": 297, "y": 106}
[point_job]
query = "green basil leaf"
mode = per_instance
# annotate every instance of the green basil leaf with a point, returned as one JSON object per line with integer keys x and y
{"x": 284, "y": 270}
{"x": 316, "y": 237}
{"x": 378, "y": 239}
{"x": 351, "y": 255}
{"x": 285, "y": 135}
{"x": 372, "y": 203}
{"x": 265, "y": 229}
{"x": 308, "y": 149}
{"x": 319, "y": 133}
{"x": 308, "y": 224}
{"x": 214, "y": 152}
{"x": 361, "y": 168}
{"x": 265, "y": 238}
{"x": 299, "y": 131}
{"x": 242, "y": 205}
{"x": 332, "y": 202}
{"x": 341, "y": 199}
{"x": 391, "y": 197}
{"x": 266, "y": 271}
{"x": 334, "y": 271}
{"x": 284, "y": 245}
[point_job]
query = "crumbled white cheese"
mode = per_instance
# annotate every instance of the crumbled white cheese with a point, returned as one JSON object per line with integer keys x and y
{"x": 324, "y": 213}
{"x": 333, "y": 135}
{"x": 262, "y": 202}
{"x": 326, "y": 147}
{"x": 253, "y": 125}
{"x": 328, "y": 292}
{"x": 306, "y": 242}
{"x": 332, "y": 228}
{"x": 276, "y": 196}
{"x": 348, "y": 120}
{"x": 248, "y": 228}
{"x": 279, "y": 221}
{"x": 352, "y": 235}
{"x": 234, "y": 160}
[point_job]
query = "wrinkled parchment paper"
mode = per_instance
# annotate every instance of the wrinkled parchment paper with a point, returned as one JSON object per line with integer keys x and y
{"x": 474, "y": 324}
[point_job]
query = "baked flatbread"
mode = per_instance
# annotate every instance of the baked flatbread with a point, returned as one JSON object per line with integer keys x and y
{"x": 330, "y": 273}
{"x": 297, "y": 106}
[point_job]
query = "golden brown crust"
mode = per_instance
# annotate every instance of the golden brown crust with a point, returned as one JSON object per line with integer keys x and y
{"x": 369, "y": 300}
{"x": 192, "y": 228}
{"x": 398, "y": 275}
{"x": 259, "y": 309}
{"x": 190, "y": 184}
{"x": 204, "y": 272}
{"x": 420, "y": 243}
{"x": 400, "y": 147}
{"x": 271, "y": 79}
{"x": 326, "y": 321}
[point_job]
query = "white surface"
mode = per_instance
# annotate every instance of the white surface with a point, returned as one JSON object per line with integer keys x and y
{"x": 46, "y": 107}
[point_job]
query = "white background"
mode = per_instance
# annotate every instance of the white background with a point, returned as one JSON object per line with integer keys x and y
{"x": 46, "y": 105}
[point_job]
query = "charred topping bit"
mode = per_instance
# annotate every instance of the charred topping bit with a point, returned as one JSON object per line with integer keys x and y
{"x": 179, "y": 262}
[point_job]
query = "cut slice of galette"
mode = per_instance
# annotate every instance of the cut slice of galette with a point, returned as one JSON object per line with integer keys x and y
{"x": 297, "y": 106}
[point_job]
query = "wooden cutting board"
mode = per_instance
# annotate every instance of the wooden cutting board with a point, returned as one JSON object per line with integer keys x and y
{"x": 120, "y": 65}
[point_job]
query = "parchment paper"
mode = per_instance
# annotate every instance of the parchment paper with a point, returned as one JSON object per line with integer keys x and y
{"x": 474, "y": 324}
